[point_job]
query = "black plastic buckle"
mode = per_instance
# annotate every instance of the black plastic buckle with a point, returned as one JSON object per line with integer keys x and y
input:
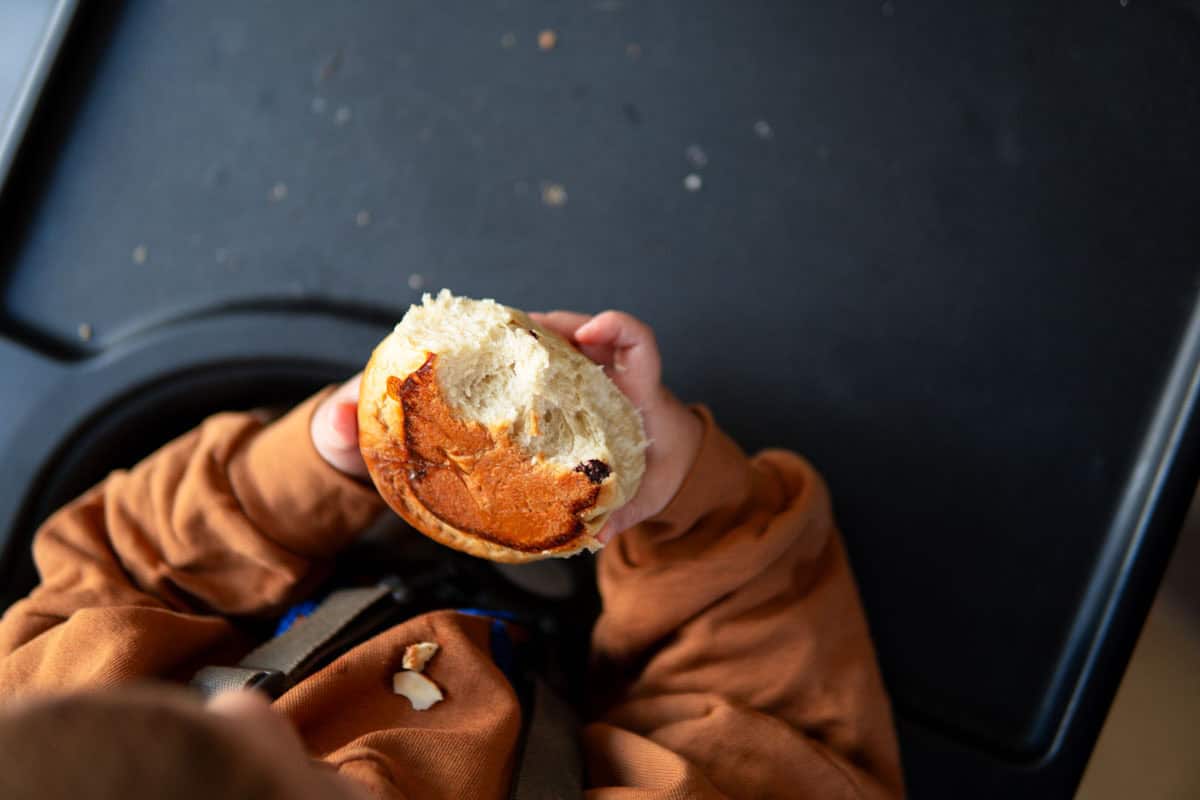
{"x": 271, "y": 682}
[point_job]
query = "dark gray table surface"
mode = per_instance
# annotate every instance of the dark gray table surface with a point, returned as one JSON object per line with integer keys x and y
{"x": 949, "y": 252}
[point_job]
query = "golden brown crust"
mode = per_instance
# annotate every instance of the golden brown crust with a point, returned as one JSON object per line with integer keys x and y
{"x": 464, "y": 485}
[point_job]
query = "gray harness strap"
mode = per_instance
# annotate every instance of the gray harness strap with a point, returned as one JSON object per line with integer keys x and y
{"x": 277, "y": 664}
{"x": 551, "y": 766}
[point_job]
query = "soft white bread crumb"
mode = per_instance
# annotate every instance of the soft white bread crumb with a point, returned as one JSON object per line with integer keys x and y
{"x": 420, "y": 691}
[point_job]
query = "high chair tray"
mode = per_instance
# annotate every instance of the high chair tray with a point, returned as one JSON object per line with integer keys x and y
{"x": 949, "y": 254}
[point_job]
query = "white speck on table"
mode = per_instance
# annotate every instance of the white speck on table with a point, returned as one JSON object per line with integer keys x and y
{"x": 693, "y": 182}
{"x": 319, "y": 104}
{"x": 554, "y": 195}
{"x": 140, "y": 254}
{"x": 415, "y": 281}
{"x": 85, "y": 331}
{"x": 342, "y": 115}
{"x": 279, "y": 192}
{"x": 762, "y": 129}
{"x": 363, "y": 218}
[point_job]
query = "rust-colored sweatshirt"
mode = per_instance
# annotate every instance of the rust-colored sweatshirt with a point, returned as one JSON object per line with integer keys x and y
{"x": 732, "y": 644}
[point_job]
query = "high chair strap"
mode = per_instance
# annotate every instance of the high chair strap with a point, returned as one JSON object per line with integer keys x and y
{"x": 550, "y": 766}
{"x": 342, "y": 619}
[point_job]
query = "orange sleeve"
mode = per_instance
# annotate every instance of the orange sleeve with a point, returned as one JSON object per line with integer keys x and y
{"x": 137, "y": 575}
{"x": 732, "y": 655}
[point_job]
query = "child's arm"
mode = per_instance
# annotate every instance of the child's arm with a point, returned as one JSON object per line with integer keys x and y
{"x": 732, "y": 652}
{"x": 233, "y": 518}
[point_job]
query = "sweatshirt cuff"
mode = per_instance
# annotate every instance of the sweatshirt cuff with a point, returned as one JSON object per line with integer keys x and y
{"x": 719, "y": 478}
{"x": 293, "y": 495}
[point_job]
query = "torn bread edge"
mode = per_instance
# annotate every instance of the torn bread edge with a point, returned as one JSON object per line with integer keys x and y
{"x": 416, "y": 656}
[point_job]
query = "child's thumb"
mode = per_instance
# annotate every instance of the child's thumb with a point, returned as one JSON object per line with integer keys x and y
{"x": 335, "y": 436}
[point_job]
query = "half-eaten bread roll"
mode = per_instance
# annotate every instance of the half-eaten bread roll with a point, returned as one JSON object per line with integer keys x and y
{"x": 493, "y": 435}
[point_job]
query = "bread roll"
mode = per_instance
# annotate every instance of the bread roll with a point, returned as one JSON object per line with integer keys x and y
{"x": 493, "y": 435}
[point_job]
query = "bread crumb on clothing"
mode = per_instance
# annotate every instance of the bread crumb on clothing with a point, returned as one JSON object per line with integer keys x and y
{"x": 416, "y": 656}
{"x": 420, "y": 691}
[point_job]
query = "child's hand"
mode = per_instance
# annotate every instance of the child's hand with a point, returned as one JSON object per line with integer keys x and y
{"x": 626, "y": 347}
{"x": 334, "y": 429}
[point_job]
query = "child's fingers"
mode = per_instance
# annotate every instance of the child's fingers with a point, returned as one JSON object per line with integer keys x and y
{"x": 618, "y": 327}
{"x": 609, "y": 531}
{"x": 600, "y": 353}
{"x": 564, "y": 323}
{"x": 635, "y": 364}
{"x": 561, "y": 318}
{"x": 343, "y": 419}
{"x": 334, "y": 429}
{"x": 621, "y": 520}
{"x": 348, "y": 391}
